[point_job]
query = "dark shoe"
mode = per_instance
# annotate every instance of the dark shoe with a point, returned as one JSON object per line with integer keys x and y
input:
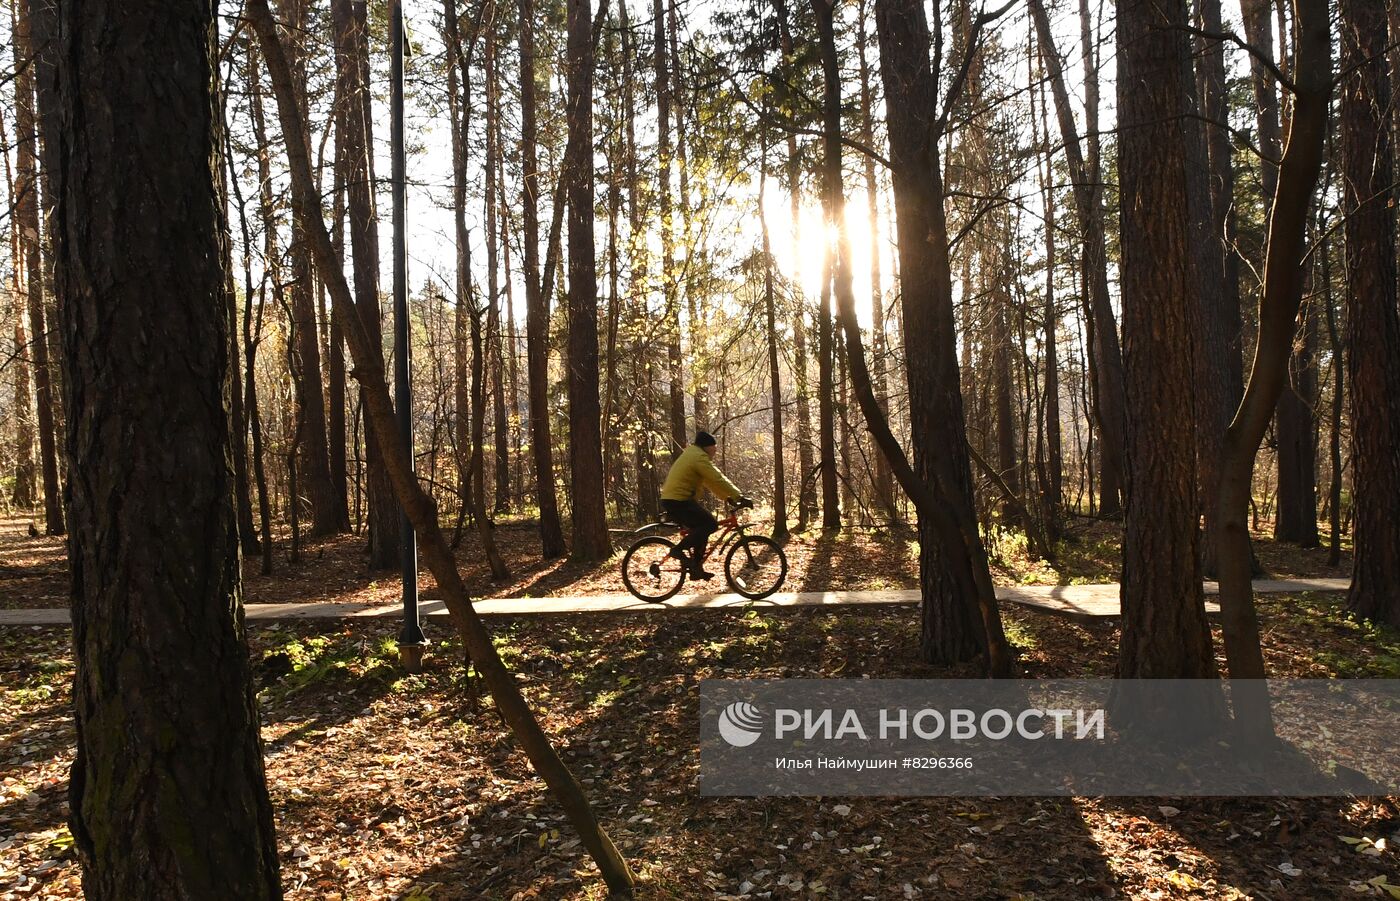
{"x": 700, "y": 575}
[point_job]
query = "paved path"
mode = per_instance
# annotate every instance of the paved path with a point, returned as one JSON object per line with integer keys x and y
{"x": 1077, "y": 602}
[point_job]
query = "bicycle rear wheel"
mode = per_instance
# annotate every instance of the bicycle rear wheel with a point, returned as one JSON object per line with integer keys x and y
{"x": 755, "y": 567}
{"x": 649, "y": 572}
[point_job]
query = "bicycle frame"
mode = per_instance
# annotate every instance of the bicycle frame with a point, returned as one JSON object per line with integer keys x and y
{"x": 730, "y": 530}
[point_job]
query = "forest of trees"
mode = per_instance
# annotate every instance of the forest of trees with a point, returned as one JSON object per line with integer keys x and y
{"x": 971, "y": 271}
{"x": 666, "y": 224}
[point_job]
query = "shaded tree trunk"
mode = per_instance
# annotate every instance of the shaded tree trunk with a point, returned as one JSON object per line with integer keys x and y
{"x": 167, "y": 792}
{"x": 1373, "y": 326}
{"x": 1105, "y": 352}
{"x": 1165, "y": 634}
{"x": 959, "y": 614}
{"x": 350, "y": 25}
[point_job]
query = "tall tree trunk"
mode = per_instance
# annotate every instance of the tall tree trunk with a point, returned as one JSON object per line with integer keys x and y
{"x": 242, "y": 489}
{"x": 1165, "y": 633}
{"x": 1258, "y": 33}
{"x": 421, "y": 512}
{"x": 500, "y": 431}
{"x": 648, "y": 500}
{"x": 1052, "y": 487}
{"x": 26, "y": 219}
{"x": 1373, "y": 326}
{"x": 1104, "y": 349}
{"x": 826, "y": 397}
{"x": 775, "y": 384}
{"x": 590, "y": 524}
{"x": 695, "y": 304}
{"x": 1215, "y": 108}
{"x": 336, "y": 437}
{"x": 1215, "y": 400}
{"x": 672, "y": 312}
{"x": 1296, "y": 520}
{"x": 348, "y": 19}
{"x": 167, "y": 791}
{"x": 959, "y": 614}
{"x": 271, "y": 272}
{"x": 883, "y": 481}
{"x": 536, "y": 300}
{"x": 25, "y": 489}
{"x": 1334, "y": 491}
{"x": 806, "y": 496}
{"x": 310, "y": 395}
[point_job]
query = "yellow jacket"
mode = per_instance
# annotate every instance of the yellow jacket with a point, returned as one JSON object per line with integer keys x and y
{"x": 692, "y": 469}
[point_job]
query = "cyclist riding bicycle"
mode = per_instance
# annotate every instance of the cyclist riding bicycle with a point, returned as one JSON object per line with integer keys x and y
{"x": 680, "y": 494}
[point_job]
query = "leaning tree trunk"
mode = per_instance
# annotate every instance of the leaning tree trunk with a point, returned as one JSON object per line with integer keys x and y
{"x": 1278, "y": 309}
{"x": 1165, "y": 634}
{"x": 167, "y": 792}
{"x": 1373, "y": 327}
{"x": 590, "y": 524}
{"x": 419, "y": 507}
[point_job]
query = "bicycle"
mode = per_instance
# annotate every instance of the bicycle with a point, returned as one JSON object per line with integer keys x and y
{"x": 754, "y": 565}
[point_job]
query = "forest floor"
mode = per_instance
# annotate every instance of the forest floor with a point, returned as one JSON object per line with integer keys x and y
{"x": 409, "y": 787}
{"x": 387, "y": 785}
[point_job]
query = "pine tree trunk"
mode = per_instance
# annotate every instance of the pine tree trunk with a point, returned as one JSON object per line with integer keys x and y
{"x": 1296, "y": 521}
{"x": 883, "y": 481}
{"x": 1214, "y": 398}
{"x": 670, "y": 289}
{"x": 536, "y": 301}
{"x": 26, "y": 219}
{"x": 1373, "y": 326}
{"x": 590, "y": 525}
{"x": 167, "y": 792}
{"x": 350, "y": 26}
{"x": 500, "y": 431}
{"x": 1165, "y": 633}
{"x": 775, "y": 384}
{"x": 1104, "y": 348}
{"x": 959, "y": 613}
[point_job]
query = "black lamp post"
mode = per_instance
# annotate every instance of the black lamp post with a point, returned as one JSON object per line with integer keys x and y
{"x": 411, "y": 639}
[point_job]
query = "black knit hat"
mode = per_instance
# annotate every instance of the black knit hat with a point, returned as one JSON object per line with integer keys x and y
{"x": 704, "y": 439}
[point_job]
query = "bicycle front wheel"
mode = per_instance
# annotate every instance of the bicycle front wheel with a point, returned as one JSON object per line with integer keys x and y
{"x": 649, "y": 572}
{"x": 755, "y": 567}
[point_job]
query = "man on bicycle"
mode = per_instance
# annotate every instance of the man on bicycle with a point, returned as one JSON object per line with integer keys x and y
{"x": 692, "y": 470}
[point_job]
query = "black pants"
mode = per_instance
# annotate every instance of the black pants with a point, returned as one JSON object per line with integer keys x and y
{"x": 698, "y": 520}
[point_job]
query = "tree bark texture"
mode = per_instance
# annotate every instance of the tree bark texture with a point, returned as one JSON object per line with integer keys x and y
{"x": 167, "y": 792}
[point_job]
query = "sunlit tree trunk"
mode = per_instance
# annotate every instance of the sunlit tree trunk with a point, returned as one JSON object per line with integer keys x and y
{"x": 26, "y": 219}
{"x": 590, "y": 524}
{"x": 536, "y": 300}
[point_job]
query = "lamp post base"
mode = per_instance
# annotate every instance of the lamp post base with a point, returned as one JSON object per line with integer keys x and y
{"x": 411, "y": 657}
